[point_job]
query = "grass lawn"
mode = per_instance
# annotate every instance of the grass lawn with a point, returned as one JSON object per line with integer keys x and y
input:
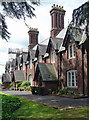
{"x": 29, "y": 110}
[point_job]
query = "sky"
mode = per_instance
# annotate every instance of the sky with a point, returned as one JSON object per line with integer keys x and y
{"x": 19, "y": 32}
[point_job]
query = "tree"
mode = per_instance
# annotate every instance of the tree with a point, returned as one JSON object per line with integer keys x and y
{"x": 19, "y": 10}
{"x": 81, "y": 14}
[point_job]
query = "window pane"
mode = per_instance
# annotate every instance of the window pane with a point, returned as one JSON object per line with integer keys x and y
{"x": 70, "y": 50}
{"x": 76, "y": 78}
{"x": 74, "y": 50}
{"x": 69, "y": 79}
{"x": 72, "y": 78}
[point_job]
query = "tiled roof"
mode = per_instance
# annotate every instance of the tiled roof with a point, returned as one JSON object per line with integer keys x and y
{"x": 77, "y": 34}
{"x": 6, "y": 78}
{"x": 41, "y": 49}
{"x": 19, "y": 76}
{"x": 47, "y": 72}
{"x": 54, "y": 43}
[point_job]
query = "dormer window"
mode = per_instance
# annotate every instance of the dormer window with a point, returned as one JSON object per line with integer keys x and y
{"x": 52, "y": 56}
{"x": 71, "y": 50}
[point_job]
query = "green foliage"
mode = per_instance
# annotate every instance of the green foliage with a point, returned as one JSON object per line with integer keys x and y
{"x": 11, "y": 86}
{"x": 9, "y": 105}
{"x": 19, "y": 84}
{"x": 54, "y": 88}
{"x": 19, "y": 10}
{"x": 28, "y": 88}
{"x": 25, "y": 83}
{"x": 21, "y": 88}
{"x": 63, "y": 91}
{"x": 81, "y": 14}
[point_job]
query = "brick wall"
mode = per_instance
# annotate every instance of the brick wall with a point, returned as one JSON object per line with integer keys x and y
{"x": 75, "y": 64}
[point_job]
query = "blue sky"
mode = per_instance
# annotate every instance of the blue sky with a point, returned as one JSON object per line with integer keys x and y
{"x": 42, "y": 21}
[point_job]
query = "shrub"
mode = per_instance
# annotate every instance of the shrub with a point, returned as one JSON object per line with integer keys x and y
{"x": 21, "y": 88}
{"x": 25, "y": 83}
{"x": 11, "y": 86}
{"x": 19, "y": 84}
{"x": 54, "y": 88}
{"x": 28, "y": 88}
{"x": 63, "y": 91}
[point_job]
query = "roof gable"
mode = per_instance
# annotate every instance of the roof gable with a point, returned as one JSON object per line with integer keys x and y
{"x": 19, "y": 76}
{"x": 74, "y": 33}
{"x": 54, "y": 43}
{"x": 41, "y": 49}
{"x": 6, "y": 78}
{"x": 47, "y": 72}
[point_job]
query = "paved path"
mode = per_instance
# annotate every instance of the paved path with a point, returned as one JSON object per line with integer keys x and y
{"x": 54, "y": 101}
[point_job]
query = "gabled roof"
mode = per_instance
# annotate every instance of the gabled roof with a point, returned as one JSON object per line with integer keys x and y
{"x": 41, "y": 49}
{"x": 19, "y": 76}
{"x": 6, "y": 78}
{"x": 55, "y": 43}
{"x": 75, "y": 33}
{"x": 44, "y": 42}
{"x": 47, "y": 72}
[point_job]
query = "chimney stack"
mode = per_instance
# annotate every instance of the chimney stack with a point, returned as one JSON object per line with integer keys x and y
{"x": 57, "y": 19}
{"x": 33, "y": 37}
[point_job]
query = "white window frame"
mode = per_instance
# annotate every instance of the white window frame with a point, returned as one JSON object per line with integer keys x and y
{"x": 30, "y": 63}
{"x": 52, "y": 56}
{"x": 70, "y": 80}
{"x": 73, "y": 51}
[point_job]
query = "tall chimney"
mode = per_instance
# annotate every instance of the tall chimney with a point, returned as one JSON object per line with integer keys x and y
{"x": 57, "y": 19}
{"x": 33, "y": 37}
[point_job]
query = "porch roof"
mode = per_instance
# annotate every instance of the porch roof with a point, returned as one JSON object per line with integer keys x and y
{"x": 6, "y": 78}
{"x": 19, "y": 76}
{"x": 47, "y": 72}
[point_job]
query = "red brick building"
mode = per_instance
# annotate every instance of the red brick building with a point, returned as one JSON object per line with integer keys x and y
{"x": 63, "y": 62}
